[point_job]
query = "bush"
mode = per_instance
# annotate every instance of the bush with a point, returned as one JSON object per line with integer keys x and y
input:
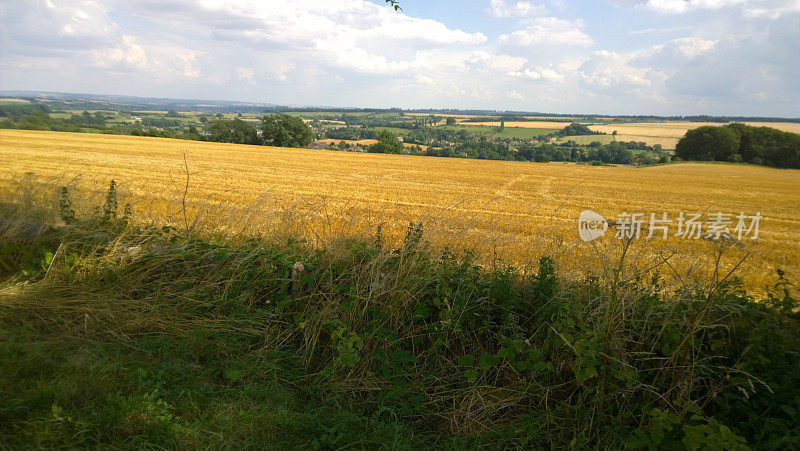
{"x": 383, "y": 346}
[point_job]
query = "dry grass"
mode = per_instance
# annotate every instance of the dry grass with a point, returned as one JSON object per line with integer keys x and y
{"x": 517, "y": 210}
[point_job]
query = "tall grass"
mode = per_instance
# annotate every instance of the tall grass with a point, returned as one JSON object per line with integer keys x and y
{"x": 122, "y": 333}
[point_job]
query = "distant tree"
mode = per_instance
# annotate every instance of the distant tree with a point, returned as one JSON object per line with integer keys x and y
{"x": 767, "y": 146}
{"x": 387, "y": 143}
{"x": 172, "y": 113}
{"x": 231, "y": 131}
{"x": 282, "y": 130}
{"x": 451, "y": 121}
{"x": 708, "y": 143}
{"x": 576, "y": 129}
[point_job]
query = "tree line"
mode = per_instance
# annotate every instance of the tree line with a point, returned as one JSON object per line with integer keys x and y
{"x": 273, "y": 130}
{"x": 484, "y": 149}
{"x": 740, "y": 143}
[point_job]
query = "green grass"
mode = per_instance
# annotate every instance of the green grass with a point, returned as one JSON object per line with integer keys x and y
{"x": 148, "y": 337}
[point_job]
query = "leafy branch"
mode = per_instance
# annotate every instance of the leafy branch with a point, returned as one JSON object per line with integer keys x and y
{"x": 394, "y": 4}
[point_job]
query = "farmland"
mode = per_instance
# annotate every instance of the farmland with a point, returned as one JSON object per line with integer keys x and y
{"x": 669, "y": 133}
{"x": 519, "y": 211}
{"x": 450, "y": 134}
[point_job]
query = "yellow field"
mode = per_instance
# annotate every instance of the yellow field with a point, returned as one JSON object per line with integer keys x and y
{"x": 517, "y": 210}
{"x": 526, "y": 124}
{"x": 545, "y": 118}
{"x": 14, "y": 100}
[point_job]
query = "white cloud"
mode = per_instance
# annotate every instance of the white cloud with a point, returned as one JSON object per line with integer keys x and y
{"x": 606, "y": 71}
{"x": 245, "y": 74}
{"x": 735, "y": 55}
{"x": 162, "y": 63}
{"x": 771, "y": 9}
{"x": 39, "y": 26}
{"x": 501, "y": 9}
{"x": 549, "y": 30}
{"x": 352, "y": 34}
{"x": 689, "y": 47}
{"x": 539, "y": 74}
{"x": 424, "y": 80}
{"x": 682, "y": 6}
{"x": 281, "y": 72}
{"x": 128, "y": 53}
{"x": 501, "y": 63}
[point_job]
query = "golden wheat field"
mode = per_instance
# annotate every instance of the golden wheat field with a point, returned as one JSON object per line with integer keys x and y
{"x": 512, "y": 210}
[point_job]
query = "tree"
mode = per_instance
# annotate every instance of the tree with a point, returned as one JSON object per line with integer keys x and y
{"x": 282, "y": 130}
{"x": 576, "y": 129}
{"x": 451, "y": 121}
{"x": 708, "y": 143}
{"x": 387, "y": 143}
{"x": 231, "y": 131}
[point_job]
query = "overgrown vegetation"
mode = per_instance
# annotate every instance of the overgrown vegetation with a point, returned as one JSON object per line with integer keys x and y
{"x": 142, "y": 336}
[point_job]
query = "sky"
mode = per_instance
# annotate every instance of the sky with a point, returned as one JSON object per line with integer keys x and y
{"x": 659, "y": 57}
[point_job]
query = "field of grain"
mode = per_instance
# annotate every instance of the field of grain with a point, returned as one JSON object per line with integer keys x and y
{"x": 518, "y": 211}
{"x": 555, "y": 125}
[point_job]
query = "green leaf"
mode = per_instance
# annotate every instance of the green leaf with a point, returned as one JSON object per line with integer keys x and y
{"x": 466, "y": 361}
{"x": 488, "y": 361}
{"x": 421, "y": 310}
